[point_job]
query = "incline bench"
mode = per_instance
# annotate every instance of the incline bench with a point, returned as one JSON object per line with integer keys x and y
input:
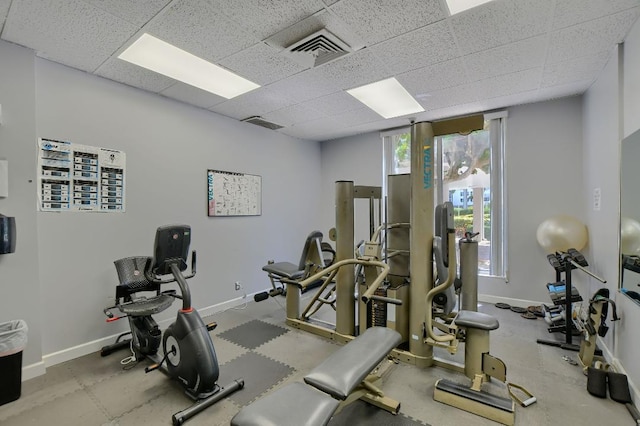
{"x": 346, "y": 375}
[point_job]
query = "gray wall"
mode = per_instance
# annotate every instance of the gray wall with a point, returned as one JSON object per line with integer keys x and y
{"x": 169, "y": 147}
{"x": 544, "y": 151}
{"x": 19, "y": 282}
{"x": 544, "y": 179}
{"x": 62, "y": 275}
{"x": 359, "y": 159}
{"x": 611, "y": 112}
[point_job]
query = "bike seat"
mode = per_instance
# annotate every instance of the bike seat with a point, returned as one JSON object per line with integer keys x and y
{"x": 144, "y": 306}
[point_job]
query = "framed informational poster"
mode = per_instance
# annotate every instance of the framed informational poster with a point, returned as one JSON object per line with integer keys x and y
{"x": 81, "y": 178}
{"x": 233, "y": 194}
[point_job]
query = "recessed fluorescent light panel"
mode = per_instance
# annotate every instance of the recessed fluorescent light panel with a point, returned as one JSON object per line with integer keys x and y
{"x": 166, "y": 59}
{"x": 457, "y": 6}
{"x": 387, "y": 97}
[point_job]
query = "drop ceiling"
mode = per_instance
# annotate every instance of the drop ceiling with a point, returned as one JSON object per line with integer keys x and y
{"x": 502, "y": 53}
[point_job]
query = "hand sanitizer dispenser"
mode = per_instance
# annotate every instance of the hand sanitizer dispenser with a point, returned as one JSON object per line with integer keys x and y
{"x": 7, "y": 234}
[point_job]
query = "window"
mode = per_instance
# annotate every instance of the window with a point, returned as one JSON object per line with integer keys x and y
{"x": 469, "y": 173}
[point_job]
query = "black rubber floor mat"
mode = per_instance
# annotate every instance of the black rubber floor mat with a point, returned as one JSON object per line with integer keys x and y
{"x": 259, "y": 373}
{"x": 252, "y": 334}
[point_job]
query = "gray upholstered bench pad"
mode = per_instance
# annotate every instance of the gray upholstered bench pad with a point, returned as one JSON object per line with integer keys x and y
{"x": 347, "y": 367}
{"x": 472, "y": 319}
{"x": 293, "y": 405}
{"x": 284, "y": 269}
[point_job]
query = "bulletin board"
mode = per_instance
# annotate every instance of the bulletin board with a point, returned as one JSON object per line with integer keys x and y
{"x": 81, "y": 178}
{"x": 233, "y": 194}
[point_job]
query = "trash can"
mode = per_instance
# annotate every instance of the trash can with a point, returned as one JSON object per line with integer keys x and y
{"x": 13, "y": 339}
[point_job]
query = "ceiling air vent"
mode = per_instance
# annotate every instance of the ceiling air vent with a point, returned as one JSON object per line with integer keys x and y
{"x": 258, "y": 121}
{"x": 317, "y": 49}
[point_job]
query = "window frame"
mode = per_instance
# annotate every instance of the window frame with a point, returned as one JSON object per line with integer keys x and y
{"x": 498, "y": 194}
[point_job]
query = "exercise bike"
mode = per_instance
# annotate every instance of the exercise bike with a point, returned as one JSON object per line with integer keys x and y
{"x": 189, "y": 355}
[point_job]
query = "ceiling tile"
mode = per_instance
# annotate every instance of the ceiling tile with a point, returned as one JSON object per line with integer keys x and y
{"x": 305, "y": 86}
{"x": 267, "y": 17}
{"x": 501, "y": 22}
{"x": 506, "y": 59}
{"x": 585, "y": 68}
{"x": 257, "y": 102}
{"x": 507, "y": 100}
{"x": 516, "y": 82}
{"x": 593, "y": 36}
{"x": 334, "y": 104}
{"x": 357, "y": 116}
{"x": 450, "y": 96}
{"x": 133, "y": 75}
{"x": 378, "y": 20}
{"x": 312, "y": 130}
{"x": 261, "y": 64}
{"x": 201, "y": 29}
{"x": 295, "y": 114}
{"x": 355, "y": 70}
{"x": 4, "y": 9}
{"x": 448, "y": 112}
{"x": 435, "y": 77}
{"x": 137, "y": 12}
{"x": 560, "y": 91}
{"x": 424, "y": 46}
{"x": 571, "y": 12}
{"x": 72, "y": 32}
{"x": 192, "y": 95}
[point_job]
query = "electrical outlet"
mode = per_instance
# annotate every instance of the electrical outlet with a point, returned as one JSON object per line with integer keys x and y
{"x": 238, "y": 286}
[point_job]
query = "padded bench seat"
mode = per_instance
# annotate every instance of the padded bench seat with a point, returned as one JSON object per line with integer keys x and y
{"x": 339, "y": 375}
{"x": 347, "y": 367}
{"x": 284, "y": 269}
{"x": 477, "y": 320}
{"x": 293, "y": 405}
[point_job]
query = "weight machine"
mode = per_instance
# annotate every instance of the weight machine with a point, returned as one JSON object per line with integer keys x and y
{"x": 399, "y": 277}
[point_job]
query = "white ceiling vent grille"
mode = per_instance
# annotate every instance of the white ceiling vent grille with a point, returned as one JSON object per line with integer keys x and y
{"x": 258, "y": 121}
{"x": 317, "y": 49}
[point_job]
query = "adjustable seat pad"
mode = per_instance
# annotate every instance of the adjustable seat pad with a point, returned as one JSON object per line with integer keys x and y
{"x": 477, "y": 320}
{"x": 144, "y": 306}
{"x": 284, "y": 269}
{"x": 347, "y": 367}
{"x": 293, "y": 405}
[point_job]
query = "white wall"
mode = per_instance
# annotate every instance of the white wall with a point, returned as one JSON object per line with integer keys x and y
{"x": 62, "y": 275}
{"x": 19, "y": 280}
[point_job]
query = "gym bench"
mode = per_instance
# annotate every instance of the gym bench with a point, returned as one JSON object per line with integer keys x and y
{"x": 345, "y": 376}
{"x": 316, "y": 255}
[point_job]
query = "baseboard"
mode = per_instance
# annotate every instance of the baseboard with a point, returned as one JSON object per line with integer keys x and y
{"x": 487, "y": 298}
{"x": 33, "y": 370}
{"x": 617, "y": 366}
{"x": 64, "y": 355}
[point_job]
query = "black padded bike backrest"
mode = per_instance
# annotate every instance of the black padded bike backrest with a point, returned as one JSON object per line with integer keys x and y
{"x": 131, "y": 274}
{"x": 171, "y": 246}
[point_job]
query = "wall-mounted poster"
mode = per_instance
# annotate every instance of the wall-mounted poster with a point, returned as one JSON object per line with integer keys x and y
{"x": 233, "y": 194}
